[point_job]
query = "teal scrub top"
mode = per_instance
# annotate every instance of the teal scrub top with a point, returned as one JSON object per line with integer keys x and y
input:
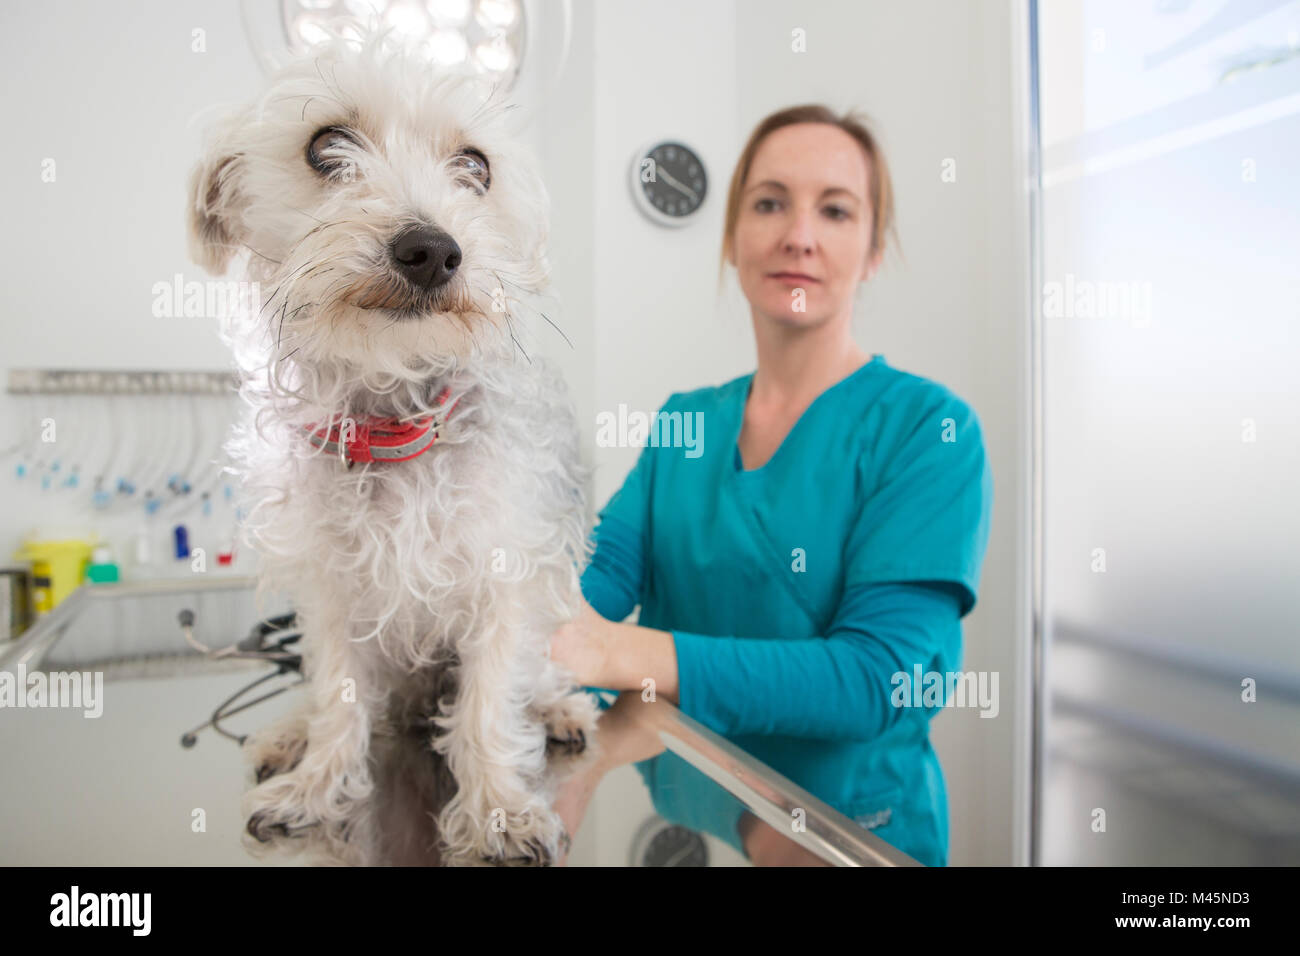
{"x": 797, "y": 592}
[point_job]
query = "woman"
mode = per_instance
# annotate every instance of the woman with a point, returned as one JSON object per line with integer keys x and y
{"x": 828, "y": 539}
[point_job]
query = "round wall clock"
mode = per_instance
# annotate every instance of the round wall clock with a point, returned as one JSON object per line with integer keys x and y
{"x": 668, "y": 182}
{"x": 660, "y": 843}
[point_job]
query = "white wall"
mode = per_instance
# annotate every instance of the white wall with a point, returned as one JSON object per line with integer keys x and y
{"x": 108, "y": 91}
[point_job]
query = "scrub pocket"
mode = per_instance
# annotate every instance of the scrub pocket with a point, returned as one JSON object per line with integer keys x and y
{"x": 877, "y": 811}
{"x": 891, "y": 817}
{"x": 882, "y": 815}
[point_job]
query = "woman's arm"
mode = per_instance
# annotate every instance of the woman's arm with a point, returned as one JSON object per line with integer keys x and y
{"x": 616, "y": 656}
{"x": 838, "y": 686}
{"x": 614, "y": 578}
{"x": 765, "y": 846}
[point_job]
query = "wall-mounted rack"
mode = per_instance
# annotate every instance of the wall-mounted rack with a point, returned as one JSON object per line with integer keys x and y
{"x": 119, "y": 382}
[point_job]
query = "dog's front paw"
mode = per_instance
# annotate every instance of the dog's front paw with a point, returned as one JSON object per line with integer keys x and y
{"x": 276, "y": 749}
{"x": 571, "y": 744}
{"x": 531, "y": 852}
{"x": 532, "y": 837}
{"x": 570, "y": 726}
{"x": 264, "y": 827}
{"x": 291, "y": 812}
{"x": 276, "y": 812}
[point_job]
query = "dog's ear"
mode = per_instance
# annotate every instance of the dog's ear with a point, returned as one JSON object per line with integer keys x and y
{"x": 214, "y": 224}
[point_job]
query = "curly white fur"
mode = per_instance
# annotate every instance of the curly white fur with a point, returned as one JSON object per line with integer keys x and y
{"x": 435, "y": 727}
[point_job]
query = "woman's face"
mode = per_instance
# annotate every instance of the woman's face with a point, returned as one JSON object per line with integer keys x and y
{"x": 804, "y": 224}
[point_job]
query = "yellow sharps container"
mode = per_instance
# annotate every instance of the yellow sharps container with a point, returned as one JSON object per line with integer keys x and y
{"x": 58, "y": 568}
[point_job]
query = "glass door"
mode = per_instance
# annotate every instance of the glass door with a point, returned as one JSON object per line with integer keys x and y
{"x": 1169, "y": 229}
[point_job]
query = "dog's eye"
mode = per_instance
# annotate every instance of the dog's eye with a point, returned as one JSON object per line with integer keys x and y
{"x": 473, "y": 169}
{"x": 328, "y": 152}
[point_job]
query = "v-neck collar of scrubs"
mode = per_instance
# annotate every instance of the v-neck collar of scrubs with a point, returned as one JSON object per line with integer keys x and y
{"x": 738, "y": 469}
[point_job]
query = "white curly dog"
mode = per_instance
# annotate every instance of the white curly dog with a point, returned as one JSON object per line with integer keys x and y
{"x": 411, "y": 474}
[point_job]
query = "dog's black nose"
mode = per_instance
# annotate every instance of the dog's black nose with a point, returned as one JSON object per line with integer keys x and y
{"x": 427, "y": 257}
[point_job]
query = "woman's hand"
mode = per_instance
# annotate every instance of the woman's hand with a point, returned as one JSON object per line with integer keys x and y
{"x": 615, "y": 656}
{"x": 624, "y": 734}
{"x": 582, "y": 646}
{"x": 620, "y": 738}
{"x": 768, "y": 847}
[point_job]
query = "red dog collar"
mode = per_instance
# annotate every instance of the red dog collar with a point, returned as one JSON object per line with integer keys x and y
{"x": 382, "y": 439}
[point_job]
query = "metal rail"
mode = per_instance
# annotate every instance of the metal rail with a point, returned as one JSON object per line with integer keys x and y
{"x": 30, "y": 649}
{"x": 771, "y": 797}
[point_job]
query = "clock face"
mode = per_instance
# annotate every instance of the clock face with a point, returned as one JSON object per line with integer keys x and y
{"x": 669, "y": 182}
{"x": 672, "y": 845}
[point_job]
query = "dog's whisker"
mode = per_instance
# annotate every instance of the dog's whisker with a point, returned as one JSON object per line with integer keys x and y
{"x": 298, "y": 96}
{"x": 518, "y": 345}
{"x": 300, "y": 211}
{"x": 538, "y": 311}
{"x": 280, "y": 328}
{"x": 556, "y": 327}
{"x": 289, "y": 280}
{"x": 323, "y": 80}
{"x": 256, "y": 253}
{"x": 312, "y": 232}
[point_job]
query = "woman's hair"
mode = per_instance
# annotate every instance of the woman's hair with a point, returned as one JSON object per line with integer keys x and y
{"x": 881, "y": 186}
